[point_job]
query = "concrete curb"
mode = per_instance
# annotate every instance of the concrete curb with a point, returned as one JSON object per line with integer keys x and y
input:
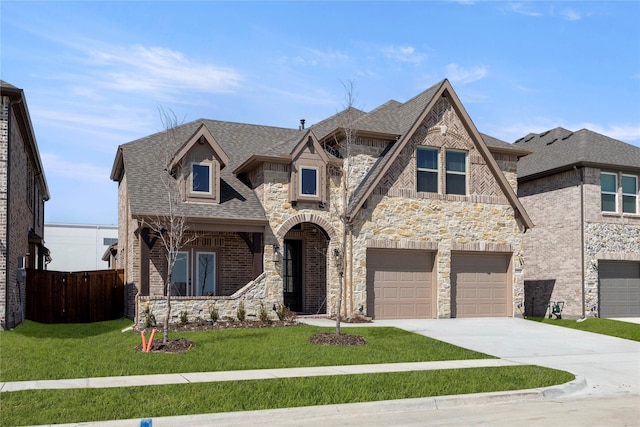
{"x": 271, "y": 416}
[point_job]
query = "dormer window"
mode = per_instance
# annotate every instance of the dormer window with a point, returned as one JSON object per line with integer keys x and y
{"x": 201, "y": 178}
{"x": 308, "y": 181}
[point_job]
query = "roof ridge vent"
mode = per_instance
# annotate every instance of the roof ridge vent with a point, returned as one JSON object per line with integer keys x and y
{"x": 552, "y": 141}
{"x": 568, "y": 136}
{"x": 544, "y": 133}
{"x": 530, "y": 138}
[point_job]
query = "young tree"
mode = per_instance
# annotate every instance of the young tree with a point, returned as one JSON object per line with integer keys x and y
{"x": 170, "y": 226}
{"x": 344, "y": 145}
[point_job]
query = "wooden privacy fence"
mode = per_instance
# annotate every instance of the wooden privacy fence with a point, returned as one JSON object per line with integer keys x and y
{"x": 77, "y": 297}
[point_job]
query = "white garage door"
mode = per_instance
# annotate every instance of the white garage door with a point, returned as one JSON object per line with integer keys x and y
{"x": 399, "y": 284}
{"x": 480, "y": 285}
{"x": 619, "y": 289}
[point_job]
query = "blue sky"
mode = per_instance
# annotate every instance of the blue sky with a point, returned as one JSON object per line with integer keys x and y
{"x": 96, "y": 73}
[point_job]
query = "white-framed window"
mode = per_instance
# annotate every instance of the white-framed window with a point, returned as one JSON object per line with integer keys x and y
{"x": 427, "y": 169}
{"x": 309, "y": 181}
{"x": 609, "y": 192}
{"x": 456, "y": 172}
{"x": 629, "y": 185}
{"x": 201, "y": 178}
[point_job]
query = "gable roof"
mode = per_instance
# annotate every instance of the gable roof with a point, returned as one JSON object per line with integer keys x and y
{"x": 560, "y": 149}
{"x": 405, "y": 119}
{"x": 144, "y": 177}
{"x": 202, "y": 135}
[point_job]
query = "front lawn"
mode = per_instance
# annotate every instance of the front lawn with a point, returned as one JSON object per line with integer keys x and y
{"x": 101, "y": 349}
{"x": 81, "y": 405}
{"x": 614, "y": 328}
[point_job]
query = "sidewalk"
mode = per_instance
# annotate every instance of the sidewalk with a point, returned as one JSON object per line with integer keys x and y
{"x": 256, "y": 374}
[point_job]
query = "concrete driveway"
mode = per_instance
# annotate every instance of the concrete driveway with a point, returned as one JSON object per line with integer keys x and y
{"x": 611, "y": 366}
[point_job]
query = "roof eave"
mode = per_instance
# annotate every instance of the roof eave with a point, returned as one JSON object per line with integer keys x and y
{"x": 257, "y": 159}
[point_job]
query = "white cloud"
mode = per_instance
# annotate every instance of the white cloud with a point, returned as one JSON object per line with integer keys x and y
{"x": 56, "y": 165}
{"x": 523, "y": 9}
{"x": 460, "y": 75}
{"x": 403, "y": 54}
{"x": 570, "y": 14}
{"x": 158, "y": 70}
{"x": 313, "y": 57}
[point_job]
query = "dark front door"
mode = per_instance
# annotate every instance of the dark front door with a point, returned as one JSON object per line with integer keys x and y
{"x": 293, "y": 274}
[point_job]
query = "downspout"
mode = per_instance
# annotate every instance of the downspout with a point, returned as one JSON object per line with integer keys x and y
{"x": 581, "y": 170}
{"x": 350, "y": 269}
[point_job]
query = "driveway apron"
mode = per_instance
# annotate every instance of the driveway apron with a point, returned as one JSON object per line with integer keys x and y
{"x": 611, "y": 366}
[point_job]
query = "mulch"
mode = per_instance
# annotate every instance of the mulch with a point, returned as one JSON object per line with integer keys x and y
{"x": 180, "y": 345}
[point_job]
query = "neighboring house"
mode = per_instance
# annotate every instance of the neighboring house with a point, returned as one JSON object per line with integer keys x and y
{"x": 434, "y": 224}
{"x": 23, "y": 191}
{"x": 581, "y": 190}
{"x": 79, "y": 247}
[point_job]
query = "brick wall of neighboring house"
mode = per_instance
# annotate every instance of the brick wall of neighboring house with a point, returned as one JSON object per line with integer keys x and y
{"x": 4, "y": 144}
{"x": 20, "y": 219}
{"x": 553, "y": 259}
{"x": 554, "y": 268}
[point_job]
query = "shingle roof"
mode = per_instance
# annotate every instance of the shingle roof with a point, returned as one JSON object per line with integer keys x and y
{"x": 560, "y": 149}
{"x": 144, "y": 161}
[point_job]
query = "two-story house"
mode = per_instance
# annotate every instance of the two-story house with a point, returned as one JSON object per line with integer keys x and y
{"x": 581, "y": 190}
{"x": 429, "y": 227}
{"x": 23, "y": 191}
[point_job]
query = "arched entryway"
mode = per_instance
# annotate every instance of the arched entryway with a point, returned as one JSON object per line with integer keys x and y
{"x": 304, "y": 268}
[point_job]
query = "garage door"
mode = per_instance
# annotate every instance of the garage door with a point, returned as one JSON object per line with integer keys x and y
{"x": 619, "y": 289}
{"x": 480, "y": 285}
{"x": 399, "y": 284}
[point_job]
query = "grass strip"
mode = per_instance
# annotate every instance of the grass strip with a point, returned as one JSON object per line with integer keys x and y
{"x": 101, "y": 349}
{"x": 83, "y": 405}
{"x": 614, "y": 328}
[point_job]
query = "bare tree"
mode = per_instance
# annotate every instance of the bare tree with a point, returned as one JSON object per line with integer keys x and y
{"x": 344, "y": 145}
{"x": 170, "y": 226}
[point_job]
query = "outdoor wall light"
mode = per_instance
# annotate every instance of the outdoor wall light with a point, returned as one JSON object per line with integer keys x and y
{"x": 276, "y": 253}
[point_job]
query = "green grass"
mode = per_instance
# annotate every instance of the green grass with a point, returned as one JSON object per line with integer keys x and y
{"x": 614, "y": 328}
{"x": 79, "y": 405}
{"x": 101, "y": 349}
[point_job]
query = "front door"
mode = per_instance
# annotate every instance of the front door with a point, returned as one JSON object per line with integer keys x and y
{"x": 292, "y": 257}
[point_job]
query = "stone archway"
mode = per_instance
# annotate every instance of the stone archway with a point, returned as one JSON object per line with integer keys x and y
{"x": 306, "y": 240}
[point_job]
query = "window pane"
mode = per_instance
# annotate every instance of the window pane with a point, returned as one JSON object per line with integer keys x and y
{"x": 180, "y": 275}
{"x": 456, "y": 184}
{"x": 629, "y": 204}
{"x": 608, "y": 182}
{"x": 427, "y": 158}
{"x": 309, "y": 181}
{"x": 206, "y": 274}
{"x": 428, "y": 181}
{"x": 200, "y": 179}
{"x": 456, "y": 161}
{"x": 608, "y": 203}
{"x": 629, "y": 185}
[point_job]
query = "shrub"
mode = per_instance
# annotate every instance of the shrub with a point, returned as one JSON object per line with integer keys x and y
{"x": 149, "y": 318}
{"x": 241, "y": 313}
{"x": 263, "y": 315}
{"x": 284, "y": 313}
{"x": 213, "y": 313}
{"x": 184, "y": 318}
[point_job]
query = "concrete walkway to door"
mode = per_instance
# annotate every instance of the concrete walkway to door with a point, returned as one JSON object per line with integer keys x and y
{"x": 611, "y": 366}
